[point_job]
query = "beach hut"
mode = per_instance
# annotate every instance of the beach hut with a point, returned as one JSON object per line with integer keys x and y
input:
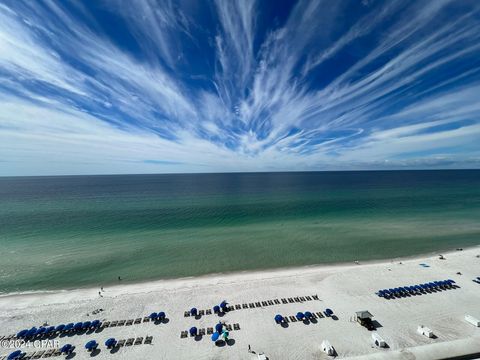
{"x": 17, "y": 354}
{"x": 278, "y": 318}
{"x": 110, "y": 343}
{"x": 193, "y": 331}
{"x": 472, "y": 320}
{"x": 91, "y": 345}
{"x": 378, "y": 340}
{"x": 194, "y": 312}
{"x": 425, "y": 331}
{"x": 327, "y": 348}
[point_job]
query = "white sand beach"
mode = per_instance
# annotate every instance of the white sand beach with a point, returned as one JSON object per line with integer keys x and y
{"x": 343, "y": 288}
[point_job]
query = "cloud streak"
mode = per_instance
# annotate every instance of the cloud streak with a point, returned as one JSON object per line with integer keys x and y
{"x": 121, "y": 87}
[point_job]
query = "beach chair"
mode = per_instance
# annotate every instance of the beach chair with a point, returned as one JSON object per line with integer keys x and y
{"x": 252, "y": 305}
{"x": 264, "y": 303}
{"x": 106, "y": 324}
{"x": 148, "y": 340}
{"x": 244, "y": 306}
{"x": 315, "y": 297}
{"x": 201, "y": 332}
{"x": 146, "y": 319}
{"x": 209, "y": 331}
{"x": 290, "y": 300}
{"x": 285, "y": 319}
{"x": 257, "y": 304}
{"x": 302, "y": 298}
{"x": 183, "y": 334}
{"x": 308, "y": 298}
{"x": 186, "y": 314}
{"x": 270, "y": 302}
{"x": 320, "y": 315}
{"x": 138, "y": 321}
{"x": 138, "y": 341}
{"x": 129, "y": 322}
{"x": 238, "y": 307}
{"x": 228, "y": 327}
{"x": 201, "y": 312}
{"x": 208, "y": 312}
{"x": 236, "y": 326}
{"x": 293, "y": 319}
{"x": 129, "y": 342}
{"x": 49, "y": 353}
{"x": 26, "y": 357}
{"x": 276, "y": 301}
{"x": 121, "y": 343}
{"x": 314, "y": 316}
{"x": 57, "y": 352}
{"x": 284, "y": 301}
{"x": 296, "y": 299}
{"x": 38, "y": 354}
{"x": 113, "y": 323}
{"x": 121, "y": 322}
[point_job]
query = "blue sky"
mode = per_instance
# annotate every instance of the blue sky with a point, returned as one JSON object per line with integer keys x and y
{"x": 99, "y": 87}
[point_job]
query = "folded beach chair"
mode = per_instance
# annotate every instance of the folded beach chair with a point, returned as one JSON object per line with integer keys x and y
{"x": 257, "y": 304}
{"x": 270, "y": 302}
{"x": 183, "y": 334}
{"x": 186, "y": 314}
{"x": 296, "y": 299}
{"x": 138, "y": 341}
{"x": 48, "y": 353}
{"x": 244, "y": 306}
{"x": 38, "y": 354}
{"x": 238, "y": 307}
{"x": 146, "y": 319}
{"x": 264, "y": 303}
{"x": 129, "y": 342}
{"x": 284, "y": 301}
{"x": 236, "y": 326}
{"x": 308, "y": 298}
{"x": 129, "y": 322}
{"x": 121, "y": 322}
{"x": 293, "y": 319}
{"x": 252, "y": 305}
{"x": 201, "y": 332}
{"x": 276, "y": 301}
{"x": 113, "y": 323}
{"x": 209, "y": 331}
{"x": 228, "y": 327}
{"x": 315, "y": 297}
{"x": 121, "y": 343}
{"x": 148, "y": 339}
{"x": 290, "y": 300}
{"x": 320, "y": 315}
{"x": 201, "y": 312}
{"x": 138, "y": 320}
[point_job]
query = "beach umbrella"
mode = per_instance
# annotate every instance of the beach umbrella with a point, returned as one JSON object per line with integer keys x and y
{"x": 215, "y": 336}
{"x": 32, "y": 332}
{"x": 87, "y": 324}
{"x": 278, "y": 318}
{"x": 216, "y": 309}
{"x": 329, "y": 312}
{"x": 22, "y": 333}
{"x": 223, "y": 304}
{"x": 60, "y": 327}
{"x": 193, "y": 331}
{"x": 96, "y": 323}
{"x": 69, "y": 326}
{"x": 41, "y": 331}
{"x": 300, "y": 316}
{"x": 452, "y": 281}
{"x": 91, "y": 345}
{"x": 308, "y": 314}
{"x": 219, "y": 327}
{"x": 15, "y": 355}
{"x": 110, "y": 343}
{"x": 153, "y": 315}
{"x": 78, "y": 326}
{"x": 193, "y": 312}
{"x": 161, "y": 315}
{"x": 65, "y": 348}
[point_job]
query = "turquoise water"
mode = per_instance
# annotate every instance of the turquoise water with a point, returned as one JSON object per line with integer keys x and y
{"x": 64, "y": 232}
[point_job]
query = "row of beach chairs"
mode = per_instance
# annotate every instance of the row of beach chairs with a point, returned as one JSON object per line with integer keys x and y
{"x": 259, "y": 304}
{"x": 210, "y": 330}
{"x": 134, "y": 341}
{"x": 129, "y": 322}
{"x": 293, "y": 318}
{"x": 420, "y": 289}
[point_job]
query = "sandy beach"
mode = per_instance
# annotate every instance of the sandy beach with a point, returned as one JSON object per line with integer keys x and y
{"x": 343, "y": 288}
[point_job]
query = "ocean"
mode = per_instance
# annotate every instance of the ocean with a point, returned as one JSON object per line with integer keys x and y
{"x": 74, "y": 231}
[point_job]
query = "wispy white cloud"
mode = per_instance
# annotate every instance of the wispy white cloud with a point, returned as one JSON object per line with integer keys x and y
{"x": 319, "y": 88}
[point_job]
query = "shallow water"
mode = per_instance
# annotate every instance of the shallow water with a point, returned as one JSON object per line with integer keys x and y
{"x": 64, "y": 232}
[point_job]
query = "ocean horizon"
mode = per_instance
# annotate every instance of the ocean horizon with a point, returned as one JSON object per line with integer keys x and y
{"x": 60, "y": 232}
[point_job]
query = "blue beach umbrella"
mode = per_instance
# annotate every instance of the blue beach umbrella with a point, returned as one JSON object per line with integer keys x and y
{"x": 69, "y": 326}
{"x": 215, "y": 336}
{"x": 278, "y": 318}
{"x": 96, "y": 323}
{"x": 91, "y": 345}
{"x": 216, "y": 309}
{"x": 153, "y": 315}
{"x": 41, "y": 331}
{"x": 15, "y": 355}
{"x": 223, "y": 304}
{"x": 22, "y": 333}
{"x": 329, "y": 312}
{"x": 78, "y": 326}
{"x": 193, "y": 331}
{"x": 219, "y": 327}
{"x": 67, "y": 348}
{"x": 110, "y": 343}
{"x": 194, "y": 312}
{"x": 32, "y": 332}
{"x": 87, "y": 324}
{"x": 308, "y": 314}
{"x": 300, "y": 316}
{"x": 60, "y": 327}
{"x": 161, "y": 315}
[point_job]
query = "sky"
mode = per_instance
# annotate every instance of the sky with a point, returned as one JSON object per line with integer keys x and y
{"x": 109, "y": 87}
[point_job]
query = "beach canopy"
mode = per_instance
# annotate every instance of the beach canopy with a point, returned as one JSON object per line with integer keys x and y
{"x": 300, "y": 316}
{"x": 67, "y": 348}
{"x": 161, "y": 315}
{"x": 215, "y": 336}
{"x": 50, "y": 329}
{"x": 87, "y": 324}
{"x": 32, "y": 332}
{"x": 278, "y": 318}
{"x": 216, "y": 309}
{"x": 224, "y": 304}
{"x": 308, "y": 314}
{"x": 329, "y": 312}
{"x": 110, "y": 343}
{"x": 78, "y": 326}
{"x": 92, "y": 344}
{"x": 22, "y": 333}
{"x": 219, "y": 327}
{"x": 41, "y": 331}
{"x": 15, "y": 355}
{"x": 153, "y": 315}
{"x": 193, "y": 331}
{"x": 69, "y": 326}
{"x": 193, "y": 311}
